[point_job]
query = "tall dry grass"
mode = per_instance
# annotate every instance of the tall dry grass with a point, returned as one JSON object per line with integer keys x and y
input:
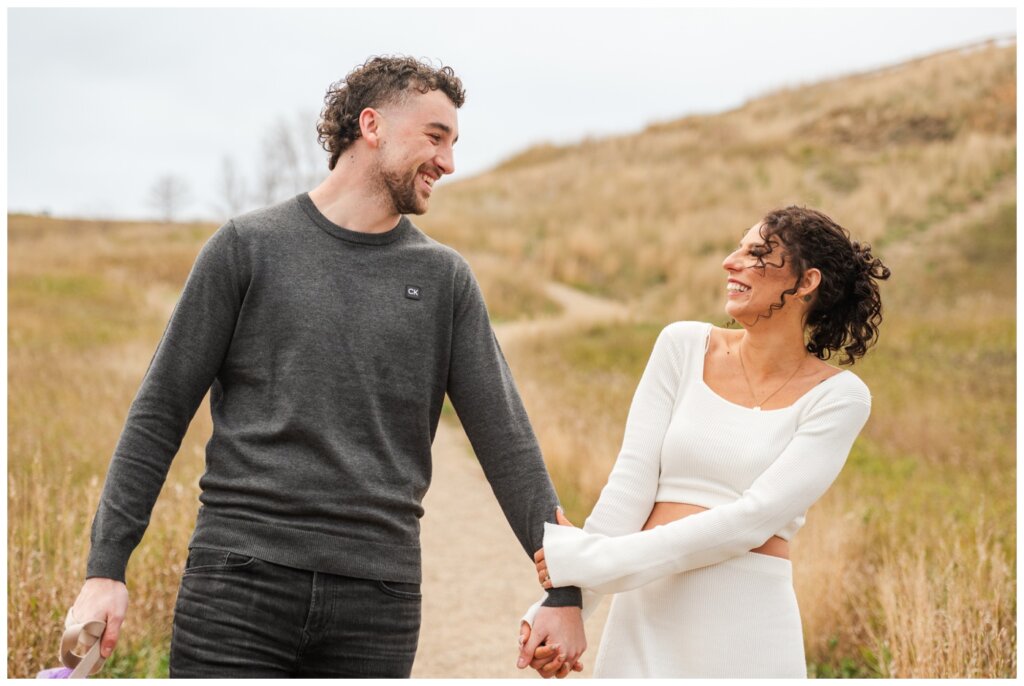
{"x": 935, "y": 602}
{"x": 86, "y": 305}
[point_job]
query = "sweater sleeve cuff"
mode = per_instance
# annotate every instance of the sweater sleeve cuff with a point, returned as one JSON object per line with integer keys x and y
{"x": 108, "y": 562}
{"x": 568, "y": 596}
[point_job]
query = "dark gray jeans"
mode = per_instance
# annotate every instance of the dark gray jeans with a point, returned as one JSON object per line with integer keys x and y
{"x": 238, "y": 616}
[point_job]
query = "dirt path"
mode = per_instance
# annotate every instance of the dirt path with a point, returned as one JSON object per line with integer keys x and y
{"x": 579, "y": 310}
{"x": 471, "y": 619}
{"x": 944, "y": 233}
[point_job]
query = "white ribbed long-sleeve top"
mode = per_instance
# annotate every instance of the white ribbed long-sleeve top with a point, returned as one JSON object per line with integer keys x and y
{"x": 757, "y": 470}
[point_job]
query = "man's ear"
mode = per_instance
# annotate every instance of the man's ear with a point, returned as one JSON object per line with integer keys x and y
{"x": 370, "y": 125}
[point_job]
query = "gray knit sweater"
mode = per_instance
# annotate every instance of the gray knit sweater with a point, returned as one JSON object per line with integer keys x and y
{"x": 327, "y": 353}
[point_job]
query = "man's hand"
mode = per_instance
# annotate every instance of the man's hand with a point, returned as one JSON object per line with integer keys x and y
{"x": 104, "y": 599}
{"x": 560, "y": 630}
{"x": 546, "y": 658}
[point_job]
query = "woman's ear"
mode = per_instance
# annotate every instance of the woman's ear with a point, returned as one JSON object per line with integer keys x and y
{"x": 809, "y": 283}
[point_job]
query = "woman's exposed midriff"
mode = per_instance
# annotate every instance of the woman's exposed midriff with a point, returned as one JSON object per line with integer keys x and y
{"x": 664, "y": 512}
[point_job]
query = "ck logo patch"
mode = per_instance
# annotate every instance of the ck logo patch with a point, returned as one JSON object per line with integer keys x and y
{"x": 412, "y": 292}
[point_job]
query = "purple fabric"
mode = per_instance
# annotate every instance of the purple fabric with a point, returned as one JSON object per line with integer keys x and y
{"x": 55, "y": 673}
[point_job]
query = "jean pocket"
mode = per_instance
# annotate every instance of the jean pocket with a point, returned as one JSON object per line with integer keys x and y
{"x": 399, "y": 589}
{"x": 214, "y": 559}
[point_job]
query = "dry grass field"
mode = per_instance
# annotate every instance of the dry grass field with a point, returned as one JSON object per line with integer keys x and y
{"x": 905, "y": 569}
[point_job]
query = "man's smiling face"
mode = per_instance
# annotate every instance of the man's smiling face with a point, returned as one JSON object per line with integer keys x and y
{"x": 416, "y": 148}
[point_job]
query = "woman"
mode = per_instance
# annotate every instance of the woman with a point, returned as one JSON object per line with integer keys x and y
{"x": 731, "y": 437}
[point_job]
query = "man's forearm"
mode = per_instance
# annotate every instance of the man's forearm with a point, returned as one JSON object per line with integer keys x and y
{"x": 487, "y": 401}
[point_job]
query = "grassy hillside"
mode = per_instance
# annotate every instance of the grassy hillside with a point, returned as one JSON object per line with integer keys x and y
{"x": 650, "y": 215}
{"x": 907, "y": 566}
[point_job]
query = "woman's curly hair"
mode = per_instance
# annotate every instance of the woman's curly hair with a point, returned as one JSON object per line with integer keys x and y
{"x": 380, "y": 81}
{"x": 846, "y": 309}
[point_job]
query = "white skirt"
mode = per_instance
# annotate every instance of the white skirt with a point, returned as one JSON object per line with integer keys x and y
{"x": 738, "y": 618}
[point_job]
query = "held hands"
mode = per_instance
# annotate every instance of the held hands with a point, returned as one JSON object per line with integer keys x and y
{"x": 556, "y": 641}
{"x": 561, "y": 630}
{"x": 542, "y": 565}
{"x": 105, "y": 599}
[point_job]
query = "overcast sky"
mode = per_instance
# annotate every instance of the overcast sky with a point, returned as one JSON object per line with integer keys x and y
{"x": 102, "y": 102}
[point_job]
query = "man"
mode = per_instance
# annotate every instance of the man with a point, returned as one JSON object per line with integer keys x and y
{"x": 328, "y": 329}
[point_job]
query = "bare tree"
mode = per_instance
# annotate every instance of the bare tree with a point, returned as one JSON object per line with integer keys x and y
{"x": 282, "y": 142}
{"x": 233, "y": 198}
{"x": 271, "y": 179}
{"x": 312, "y": 158}
{"x": 292, "y": 159}
{"x": 168, "y": 195}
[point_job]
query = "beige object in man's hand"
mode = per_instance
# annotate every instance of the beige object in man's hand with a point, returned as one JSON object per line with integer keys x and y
{"x": 80, "y": 646}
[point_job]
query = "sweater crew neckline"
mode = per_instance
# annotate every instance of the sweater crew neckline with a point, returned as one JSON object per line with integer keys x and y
{"x": 363, "y": 237}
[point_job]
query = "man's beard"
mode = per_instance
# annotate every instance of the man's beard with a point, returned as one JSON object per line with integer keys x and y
{"x": 402, "y": 191}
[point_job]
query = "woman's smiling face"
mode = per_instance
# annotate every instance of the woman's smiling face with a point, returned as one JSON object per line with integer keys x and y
{"x": 753, "y": 285}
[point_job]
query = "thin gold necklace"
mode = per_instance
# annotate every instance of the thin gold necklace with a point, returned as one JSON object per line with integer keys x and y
{"x": 757, "y": 405}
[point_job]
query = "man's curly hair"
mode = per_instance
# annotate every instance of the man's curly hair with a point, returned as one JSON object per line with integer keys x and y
{"x": 380, "y": 81}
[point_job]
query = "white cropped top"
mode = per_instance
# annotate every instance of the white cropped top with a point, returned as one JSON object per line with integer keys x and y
{"x": 757, "y": 470}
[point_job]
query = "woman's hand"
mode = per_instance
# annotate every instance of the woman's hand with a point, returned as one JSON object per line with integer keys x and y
{"x": 542, "y": 565}
{"x": 548, "y": 660}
